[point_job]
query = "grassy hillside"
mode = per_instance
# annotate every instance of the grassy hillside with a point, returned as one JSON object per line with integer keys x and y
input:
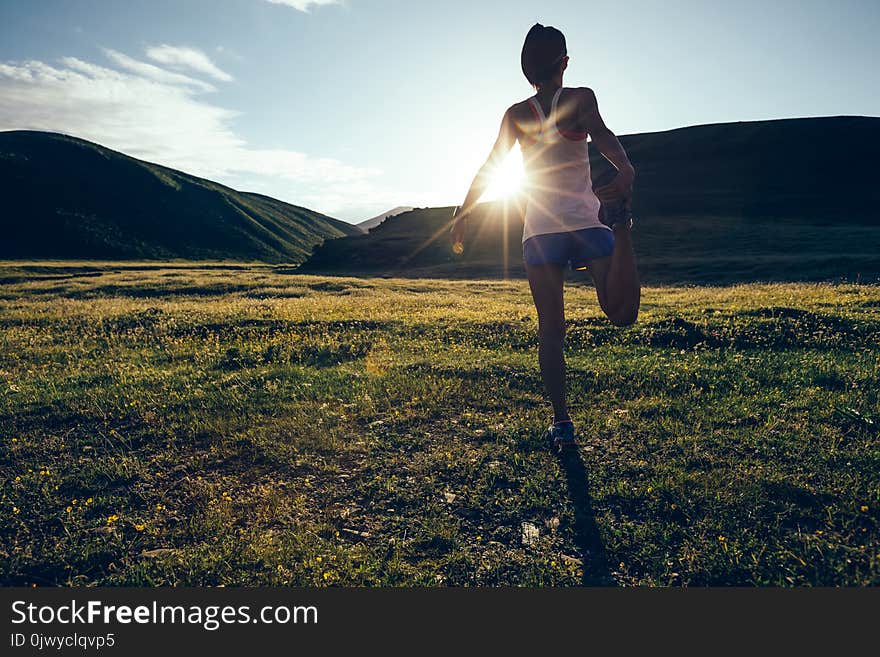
{"x": 818, "y": 168}
{"x": 770, "y": 200}
{"x": 372, "y": 222}
{"x": 417, "y": 243}
{"x": 183, "y": 425}
{"x": 64, "y": 197}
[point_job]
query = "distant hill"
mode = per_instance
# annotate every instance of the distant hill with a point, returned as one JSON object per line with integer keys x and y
{"x": 379, "y": 218}
{"x": 64, "y": 197}
{"x": 793, "y": 199}
{"x": 416, "y": 243}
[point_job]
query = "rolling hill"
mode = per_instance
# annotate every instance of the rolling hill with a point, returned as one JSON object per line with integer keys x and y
{"x": 791, "y": 199}
{"x": 64, "y": 197}
{"x": 372, "y": 222}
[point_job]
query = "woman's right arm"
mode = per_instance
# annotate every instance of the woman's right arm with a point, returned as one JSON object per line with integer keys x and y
{"x": 506, "y": 138}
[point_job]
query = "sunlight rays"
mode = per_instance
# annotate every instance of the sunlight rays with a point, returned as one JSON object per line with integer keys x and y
{"x": 510, "y": 191}
{"x": 508, "y": 177}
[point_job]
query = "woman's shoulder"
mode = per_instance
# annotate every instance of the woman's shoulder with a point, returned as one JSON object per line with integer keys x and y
{"x": 520, "y": 110}
{"x": 581, "y": 94}
{"x": 521, "y": 105}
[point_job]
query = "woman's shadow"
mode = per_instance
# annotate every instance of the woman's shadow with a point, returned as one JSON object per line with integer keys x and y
{"x": 595, "y": 561}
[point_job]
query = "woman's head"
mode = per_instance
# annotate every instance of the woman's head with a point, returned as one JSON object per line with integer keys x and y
{"x": 543, "y": 54}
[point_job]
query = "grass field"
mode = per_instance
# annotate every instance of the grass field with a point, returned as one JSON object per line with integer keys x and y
{"x": 244, "y": 425}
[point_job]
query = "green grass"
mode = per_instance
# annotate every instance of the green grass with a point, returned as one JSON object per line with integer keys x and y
{"x": 244, "y": 425}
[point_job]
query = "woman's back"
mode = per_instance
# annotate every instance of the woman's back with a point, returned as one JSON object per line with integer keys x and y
{"x": 558, "y": 190}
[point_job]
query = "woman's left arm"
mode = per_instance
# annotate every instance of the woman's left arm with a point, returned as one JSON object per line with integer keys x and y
{"x": 505, "y": 141}
{"x": 606, "y": 141}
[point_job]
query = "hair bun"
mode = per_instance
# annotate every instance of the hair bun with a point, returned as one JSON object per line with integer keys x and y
{"x": 542, "y": 51}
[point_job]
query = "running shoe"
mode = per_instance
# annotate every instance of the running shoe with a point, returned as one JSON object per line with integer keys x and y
{"x": 612, "y": 214}
{"x": 560, "y": 435}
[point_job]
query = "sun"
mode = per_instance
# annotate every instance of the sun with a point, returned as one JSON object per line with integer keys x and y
{"x": 508, "y": 178}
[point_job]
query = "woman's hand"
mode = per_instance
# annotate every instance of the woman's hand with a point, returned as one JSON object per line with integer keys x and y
{"x": 620, "y": 189}
{"x": 457, "y": 234}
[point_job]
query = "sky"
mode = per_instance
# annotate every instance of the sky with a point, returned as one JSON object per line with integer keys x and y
{"x": 353, "y": 107}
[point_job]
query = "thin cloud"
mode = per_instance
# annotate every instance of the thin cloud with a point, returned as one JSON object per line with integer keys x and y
{"x": 303, "y": 5}
{"x": 156, "y": 73}
{"x": 184, "y": 57}
{"x": 163, "y": 117}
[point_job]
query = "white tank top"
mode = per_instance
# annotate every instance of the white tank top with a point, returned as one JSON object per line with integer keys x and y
{"x": 559, "y": 192}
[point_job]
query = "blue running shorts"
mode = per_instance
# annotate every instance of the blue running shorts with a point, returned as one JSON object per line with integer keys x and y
{"x": 577, "y": 247}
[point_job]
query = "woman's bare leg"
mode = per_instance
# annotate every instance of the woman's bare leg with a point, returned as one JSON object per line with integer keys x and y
{"x": 617, "y": 280}
{"x": 546, "y": 283}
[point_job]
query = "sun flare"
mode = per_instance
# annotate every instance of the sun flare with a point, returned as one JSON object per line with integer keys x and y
{"x": 508, "y": 178}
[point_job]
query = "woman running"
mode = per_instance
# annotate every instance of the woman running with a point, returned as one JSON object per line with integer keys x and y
{"x": 566, "y": 221}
